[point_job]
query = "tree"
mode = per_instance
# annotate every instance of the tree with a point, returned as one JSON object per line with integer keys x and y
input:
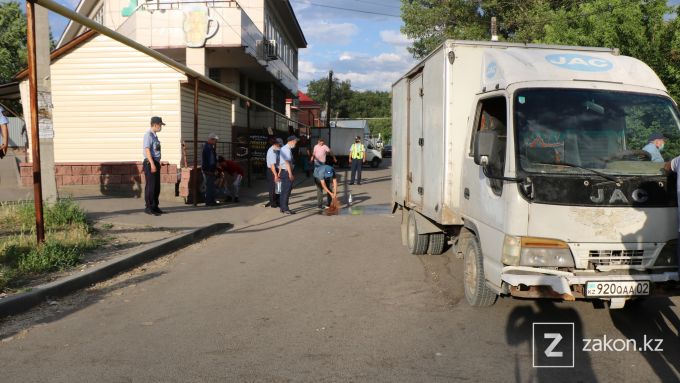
{"x": 640, "y": 29}
{"x": 348, "y": 103}
{"x": 12, "y": 41}
{"x": 342, "y": 93}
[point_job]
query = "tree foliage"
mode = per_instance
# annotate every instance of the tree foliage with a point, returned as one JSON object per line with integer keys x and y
{"x": 348, "y": 103}
{"x": 641, "y": 29}
{"x": 12, "y": 41}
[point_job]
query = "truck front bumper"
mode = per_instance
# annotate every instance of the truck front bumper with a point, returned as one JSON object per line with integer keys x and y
{"x": 534, "y": 282}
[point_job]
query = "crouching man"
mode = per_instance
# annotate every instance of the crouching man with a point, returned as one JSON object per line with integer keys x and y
{"x": 326, "y": 183}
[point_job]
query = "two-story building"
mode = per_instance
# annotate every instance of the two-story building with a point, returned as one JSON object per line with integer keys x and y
{"x": 104, "y": 92}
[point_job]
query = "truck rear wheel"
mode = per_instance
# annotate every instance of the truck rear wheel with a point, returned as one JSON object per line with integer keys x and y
{"x": 437, "y": 244}
{"x": 375, "y": 162}
{"x": 477, "y": 293}
{"x": 417, "y": 243}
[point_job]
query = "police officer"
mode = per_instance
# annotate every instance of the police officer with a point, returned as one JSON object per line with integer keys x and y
{"x": 326, "y": 183}
{"x": 286, "y": 173}
{"x": 273, "y": 158}
{"x": 152, "y": 166}
{"x": 357, "y": 154}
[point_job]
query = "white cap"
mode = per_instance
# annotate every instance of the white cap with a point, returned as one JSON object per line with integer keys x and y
{"x": 213, "y": 136}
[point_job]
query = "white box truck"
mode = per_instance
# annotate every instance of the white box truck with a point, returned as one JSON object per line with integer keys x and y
{"x": 529, "y": 160}
{"x": 341, "y": 139}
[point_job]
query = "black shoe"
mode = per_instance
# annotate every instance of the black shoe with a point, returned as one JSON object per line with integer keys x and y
{"x": 288, "y": 212}
{"x": 351, "y": 183}
{"x": 274, "y": 206}
{"x": 158, "y": 210}
{"x": 212, "y": 204}
{"x": 236, "y": 199}
{"x": 151, "y": 212}
{"x": 228, "y": 199}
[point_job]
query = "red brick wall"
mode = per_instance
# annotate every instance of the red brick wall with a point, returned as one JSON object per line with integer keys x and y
{"x": 106, "y": 173}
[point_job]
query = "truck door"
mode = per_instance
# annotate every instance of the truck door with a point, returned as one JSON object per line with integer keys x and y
{"x": 483, "y": 202}
{"x": 415, "y": 140}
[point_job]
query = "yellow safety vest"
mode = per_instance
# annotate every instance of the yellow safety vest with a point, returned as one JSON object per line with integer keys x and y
{"x": 357, "y": 151}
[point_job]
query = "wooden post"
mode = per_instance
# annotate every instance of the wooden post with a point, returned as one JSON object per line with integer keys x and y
{"x": 195, "y": 171}
{"x": 35, "y": 136}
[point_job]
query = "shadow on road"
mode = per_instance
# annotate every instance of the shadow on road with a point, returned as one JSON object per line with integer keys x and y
{"x": 653, "y": 319}
{"x": 53, "y": 311}
{"x": 520, "y": 329}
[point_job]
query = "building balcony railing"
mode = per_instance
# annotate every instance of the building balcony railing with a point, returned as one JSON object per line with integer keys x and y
{"x": 164, "y": 5}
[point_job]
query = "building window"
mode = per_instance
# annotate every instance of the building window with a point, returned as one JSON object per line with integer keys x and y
{"x": 214, "y": 74}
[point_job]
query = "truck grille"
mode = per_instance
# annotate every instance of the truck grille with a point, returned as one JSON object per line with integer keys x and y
{"x": 616, "y": 257}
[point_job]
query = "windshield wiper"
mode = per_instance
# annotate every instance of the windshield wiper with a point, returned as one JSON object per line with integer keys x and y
{"x": 603, "y": 175}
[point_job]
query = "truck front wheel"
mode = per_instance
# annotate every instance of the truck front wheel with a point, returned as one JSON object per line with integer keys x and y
{"x": 417, "y": 243}
{"x": 477, "y": 293}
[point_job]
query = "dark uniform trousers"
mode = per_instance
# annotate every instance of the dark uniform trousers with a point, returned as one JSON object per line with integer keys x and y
{"x": 286, "y": 189}
{"x": 271, "y": 182}
{"x": 152, "y": 189}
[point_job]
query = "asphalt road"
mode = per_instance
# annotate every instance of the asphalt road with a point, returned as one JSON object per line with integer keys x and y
{"x": 319, "y": 299}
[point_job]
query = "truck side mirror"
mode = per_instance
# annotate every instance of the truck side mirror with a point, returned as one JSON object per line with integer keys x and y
{"x": 486, "y": 148}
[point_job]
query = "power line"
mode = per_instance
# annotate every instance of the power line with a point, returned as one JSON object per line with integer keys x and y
{"x": 378, "y": 4}
{"x": 346, "y": 9}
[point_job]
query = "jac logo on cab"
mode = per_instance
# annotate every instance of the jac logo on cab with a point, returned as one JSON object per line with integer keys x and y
{"x": 580, "y": 62}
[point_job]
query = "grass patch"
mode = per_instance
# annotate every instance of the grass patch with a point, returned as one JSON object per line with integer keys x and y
{"x": 68, "y": 236}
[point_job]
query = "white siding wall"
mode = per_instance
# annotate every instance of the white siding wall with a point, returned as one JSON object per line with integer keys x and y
{"x": 104, "y": 94}
{"x": 214, "y": 115}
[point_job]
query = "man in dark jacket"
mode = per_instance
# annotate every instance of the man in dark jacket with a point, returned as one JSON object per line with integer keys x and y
{"x": 209, "y": 167}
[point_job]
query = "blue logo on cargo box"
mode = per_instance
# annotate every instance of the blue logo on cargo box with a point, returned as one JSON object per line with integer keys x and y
{"x": 491, "y": 70}
{"x": 581, "y": 63}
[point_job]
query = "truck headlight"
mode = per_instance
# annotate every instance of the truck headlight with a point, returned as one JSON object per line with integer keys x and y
{"x": 669, "y": 255}
{"x": 538, "y": 252}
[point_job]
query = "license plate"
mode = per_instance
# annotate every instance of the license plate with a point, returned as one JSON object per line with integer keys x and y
{"x": 617, "y": 288}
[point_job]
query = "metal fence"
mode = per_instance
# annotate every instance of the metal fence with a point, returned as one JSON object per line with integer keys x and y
{"x": 18, "y": 136}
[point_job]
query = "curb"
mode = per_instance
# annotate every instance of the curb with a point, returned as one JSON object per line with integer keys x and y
{"x": 24, "y": 301}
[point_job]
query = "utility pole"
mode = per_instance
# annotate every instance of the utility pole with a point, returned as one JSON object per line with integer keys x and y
{"x": 494, "y": 29}
{"x": 35, "y": 137}
{"x": 46, "y": 129}
{"x": 328, "y": 105}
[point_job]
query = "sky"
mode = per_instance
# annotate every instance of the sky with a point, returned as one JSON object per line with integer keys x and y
{"x": 365, "y": 48}
{"x": 361, "y": 43}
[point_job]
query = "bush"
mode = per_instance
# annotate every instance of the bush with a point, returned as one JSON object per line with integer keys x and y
{"x": 68, "y": 237}
{"x": 51, "y": 256}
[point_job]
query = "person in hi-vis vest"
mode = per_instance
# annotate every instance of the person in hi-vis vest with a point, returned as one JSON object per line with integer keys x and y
{"x": 357, "y": 154}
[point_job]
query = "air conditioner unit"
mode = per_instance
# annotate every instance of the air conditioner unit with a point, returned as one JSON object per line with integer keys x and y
{"x": 270, "y": 50}
{"x": 266, "y": 50}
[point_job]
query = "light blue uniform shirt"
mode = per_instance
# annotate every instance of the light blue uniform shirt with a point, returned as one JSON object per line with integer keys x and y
{"x": 152, "y": 142}
{"x": 654, "y": 151}
{"x": 286, "y": 155}
{"x": 273, "y": 157}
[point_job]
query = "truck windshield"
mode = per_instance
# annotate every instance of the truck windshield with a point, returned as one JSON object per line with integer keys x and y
{"x": 614, "y": 133}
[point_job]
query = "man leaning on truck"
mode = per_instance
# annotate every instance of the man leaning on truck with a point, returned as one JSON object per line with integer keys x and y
{"x": 674, "y": 165}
